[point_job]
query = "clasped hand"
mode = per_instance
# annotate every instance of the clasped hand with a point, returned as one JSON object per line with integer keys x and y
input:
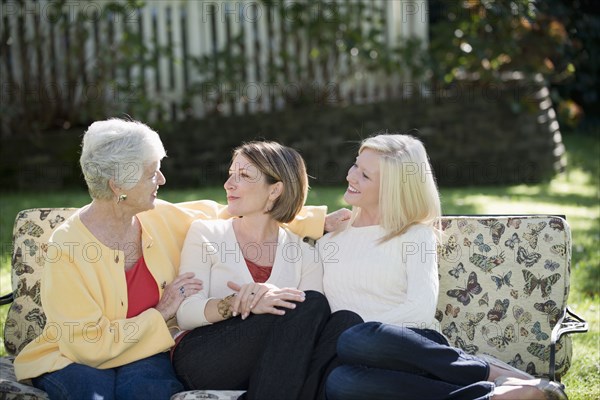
{"x": 263, "y": 298}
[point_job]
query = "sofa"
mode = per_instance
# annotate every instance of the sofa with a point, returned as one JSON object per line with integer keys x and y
{"x": 504, "y": 286}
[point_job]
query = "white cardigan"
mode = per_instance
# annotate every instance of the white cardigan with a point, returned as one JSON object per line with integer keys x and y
{"x": 394, "y": 282}
{"x": 212, "y": 253}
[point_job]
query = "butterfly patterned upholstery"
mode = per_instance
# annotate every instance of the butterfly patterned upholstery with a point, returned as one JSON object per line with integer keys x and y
{"x": 26, "y": 318}
{"x": 504, "y": 284}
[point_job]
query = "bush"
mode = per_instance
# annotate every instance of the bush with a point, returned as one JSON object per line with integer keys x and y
{"x": 557, "y": 38}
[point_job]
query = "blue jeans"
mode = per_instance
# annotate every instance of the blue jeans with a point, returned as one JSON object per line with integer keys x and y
{"x": 383, "y": 361}
{"x": 148, "y": 378}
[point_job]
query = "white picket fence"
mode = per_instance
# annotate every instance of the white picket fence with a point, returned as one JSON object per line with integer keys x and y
{"x": 49, "y": 54}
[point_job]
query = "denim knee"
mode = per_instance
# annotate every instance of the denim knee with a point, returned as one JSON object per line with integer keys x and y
{"x": 356, "y": 342}
{"x": 77, "y": 381}
{"x": 341, "y": 384}
{"x": 366, "y": 341}
{"x": 150, "y": 377}
{"x": 54, "y": 387}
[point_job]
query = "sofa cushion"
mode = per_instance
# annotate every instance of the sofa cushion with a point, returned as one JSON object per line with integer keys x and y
{"x": 504, "y": 284}
{"x": 32, "y": 229}
{"x": 11, "y": 389}
{"x": 208, "y": 395}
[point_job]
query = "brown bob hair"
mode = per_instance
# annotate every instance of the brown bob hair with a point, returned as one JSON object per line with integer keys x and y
{"x": 282, "y": 164}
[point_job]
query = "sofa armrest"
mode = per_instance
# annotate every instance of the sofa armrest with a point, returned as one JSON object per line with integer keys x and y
{"x": 6, "y": 299}
{"x": 12, "y": 389}
{"x": 569, "y": 323}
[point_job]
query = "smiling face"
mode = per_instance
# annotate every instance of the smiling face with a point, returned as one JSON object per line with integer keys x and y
{"x": 141, "y": 197}
{"x": 363, "y": 182}
{"x": 247, "y": 189}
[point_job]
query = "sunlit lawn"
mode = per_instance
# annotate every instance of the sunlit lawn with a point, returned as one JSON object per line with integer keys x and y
{"x": 574, "y": 193}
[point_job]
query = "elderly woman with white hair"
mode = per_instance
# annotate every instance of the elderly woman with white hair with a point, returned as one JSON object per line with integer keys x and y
{"x": 111, "y": 298}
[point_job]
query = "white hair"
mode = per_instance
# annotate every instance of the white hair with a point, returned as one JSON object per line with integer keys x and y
{"x": 117, "y": 150}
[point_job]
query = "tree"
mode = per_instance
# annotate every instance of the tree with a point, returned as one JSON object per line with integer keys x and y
{"x": 492, "y": 38}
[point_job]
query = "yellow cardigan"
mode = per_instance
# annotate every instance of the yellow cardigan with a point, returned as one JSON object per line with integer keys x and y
{"x": 84, "y": 292}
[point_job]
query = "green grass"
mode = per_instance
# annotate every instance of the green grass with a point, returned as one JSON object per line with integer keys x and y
{"x": 574, "y": 193}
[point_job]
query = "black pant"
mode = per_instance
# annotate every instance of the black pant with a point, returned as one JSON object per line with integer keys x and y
{"x": 267, "y": 355}
{"x": 325, "y": 358}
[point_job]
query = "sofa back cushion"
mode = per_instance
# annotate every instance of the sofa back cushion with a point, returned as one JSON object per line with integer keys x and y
{"x": 32, "y": 229}
{"x": 504, "y": 283}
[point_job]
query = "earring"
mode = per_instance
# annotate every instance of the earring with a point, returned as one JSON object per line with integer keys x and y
{"x": 122, "y": 197}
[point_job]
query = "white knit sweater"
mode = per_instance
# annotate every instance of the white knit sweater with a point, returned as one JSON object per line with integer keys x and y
{"x": 394, "y": 282}
{"x": 212, "y": 253}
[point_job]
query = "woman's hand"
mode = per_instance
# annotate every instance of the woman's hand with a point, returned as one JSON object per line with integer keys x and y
{"x": 273, "y": 300}
{"x": 263, "y": 298}
{"x": 175, "y": 292}
{"x": 337, "y": 219}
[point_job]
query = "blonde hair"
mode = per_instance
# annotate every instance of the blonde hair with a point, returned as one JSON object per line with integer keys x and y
{"x": 408, "y": 194}
{"x": 283, "y": 164}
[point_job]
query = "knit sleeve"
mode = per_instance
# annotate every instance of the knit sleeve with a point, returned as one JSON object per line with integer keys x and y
{"x": 196, "y": 257}
{"x": 419, "y": 257}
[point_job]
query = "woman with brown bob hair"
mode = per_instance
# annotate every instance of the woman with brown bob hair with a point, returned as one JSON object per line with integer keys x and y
{"x": 261, "y": 310}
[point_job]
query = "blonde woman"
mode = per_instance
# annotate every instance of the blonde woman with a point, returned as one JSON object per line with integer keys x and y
{"x": 383, "y": 267}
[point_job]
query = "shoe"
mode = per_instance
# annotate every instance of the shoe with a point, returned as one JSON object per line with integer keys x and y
{"x": 552, "y": 390}
{"x": 507, "y": 367}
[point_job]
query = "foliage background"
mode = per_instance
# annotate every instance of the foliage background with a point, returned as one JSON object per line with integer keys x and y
{"x": 558, "y": 38}
{"x": 481, "y": 40}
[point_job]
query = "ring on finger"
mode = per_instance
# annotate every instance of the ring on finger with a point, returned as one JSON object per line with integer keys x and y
{"x": 182, "y": 291}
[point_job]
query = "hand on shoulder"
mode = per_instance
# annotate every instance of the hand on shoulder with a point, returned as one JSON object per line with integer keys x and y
{"x": 337, "y": 220}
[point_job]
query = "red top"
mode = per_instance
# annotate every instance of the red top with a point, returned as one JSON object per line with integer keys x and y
{"x": 142, "y": 290}
{"x": 259, "y": 273}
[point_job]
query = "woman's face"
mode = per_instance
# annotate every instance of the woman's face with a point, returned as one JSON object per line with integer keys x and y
{"x": 247, "y": 188}
{"x": 363, "y": 182}
{"x": 144, "y": 193}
